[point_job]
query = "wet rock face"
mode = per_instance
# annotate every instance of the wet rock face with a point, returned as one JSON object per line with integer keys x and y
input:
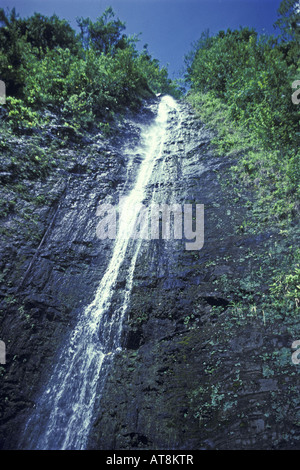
{"x": 192, "y": 373}
{"x": 52, "y": 262}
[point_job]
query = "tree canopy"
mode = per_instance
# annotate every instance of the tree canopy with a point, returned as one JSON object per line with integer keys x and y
{"x": 92, "y": 74}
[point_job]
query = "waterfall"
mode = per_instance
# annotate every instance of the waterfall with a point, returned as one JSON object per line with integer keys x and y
{"x": 63, "y": 414}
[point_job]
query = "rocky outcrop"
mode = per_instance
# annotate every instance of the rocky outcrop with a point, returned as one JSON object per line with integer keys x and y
{"x": 51, "y": 259}
{"x": 193, "y": 372}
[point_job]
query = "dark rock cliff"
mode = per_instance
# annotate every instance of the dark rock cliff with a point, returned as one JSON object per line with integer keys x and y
{"x": 192, "y": 372}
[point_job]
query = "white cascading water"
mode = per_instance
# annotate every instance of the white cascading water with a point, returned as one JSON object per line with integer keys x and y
{"x": 63, "y": 414}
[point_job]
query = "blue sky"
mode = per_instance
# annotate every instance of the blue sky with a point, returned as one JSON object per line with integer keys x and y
{"x": 167, "y": 26}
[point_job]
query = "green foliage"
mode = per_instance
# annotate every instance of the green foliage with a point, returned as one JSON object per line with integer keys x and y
{"x": 156, "y": 76}
{"x": 289, "y": 19}
{"x": 84, "y": 78}
{"x": 242, "y": 86}
{"x": 48, "y": 33}
{"x": 286, "y": 286}
{"x": 272, "y": 173}
{"x": 253, "y": 76}
{"x": 105, "y": 34}
{"x": 20, "y": 115}
{"x": 33, "y": 163}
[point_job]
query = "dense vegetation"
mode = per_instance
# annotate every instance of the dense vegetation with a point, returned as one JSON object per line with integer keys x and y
{"x": 62, "y": 86}
{"x": 240, "y": 83}
{"x": 85, "y": 78}
{"x": 70, "y": 82}
{"x": 250, "y": 78}
{"x": 241, "y": 86}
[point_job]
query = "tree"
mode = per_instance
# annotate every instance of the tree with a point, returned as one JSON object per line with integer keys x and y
{"x": 12, "y": 47}
{"x": 43, "y": 32}
{"x": 105, "y": 34}
{"x": 289, "y": 19}
{"x": 203, "y": 42}
{"x": 22, "y": 40}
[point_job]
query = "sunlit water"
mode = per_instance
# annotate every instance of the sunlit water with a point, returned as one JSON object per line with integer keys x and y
{"x": 63, "y": 414}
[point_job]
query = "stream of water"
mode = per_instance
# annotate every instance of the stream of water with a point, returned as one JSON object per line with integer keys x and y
{"x": 63, "y": 414}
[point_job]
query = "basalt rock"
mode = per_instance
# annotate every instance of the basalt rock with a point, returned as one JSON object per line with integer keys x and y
{"x": 191, "y": 373}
